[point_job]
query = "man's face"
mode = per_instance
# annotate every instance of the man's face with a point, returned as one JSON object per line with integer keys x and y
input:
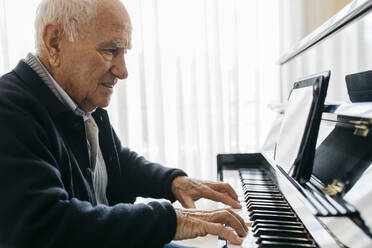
{"x": 89, "y": 67}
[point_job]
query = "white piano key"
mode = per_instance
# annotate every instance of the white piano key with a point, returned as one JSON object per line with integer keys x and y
{"x": 248, "y": 242}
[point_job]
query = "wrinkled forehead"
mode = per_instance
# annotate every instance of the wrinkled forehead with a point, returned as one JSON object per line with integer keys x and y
{"x": 112, "y": 21}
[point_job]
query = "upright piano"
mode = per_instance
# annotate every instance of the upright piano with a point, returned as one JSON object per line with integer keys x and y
{"x": 334, "y": 207}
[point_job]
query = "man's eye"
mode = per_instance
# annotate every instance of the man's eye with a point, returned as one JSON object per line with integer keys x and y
{"x": 111, "y": 51}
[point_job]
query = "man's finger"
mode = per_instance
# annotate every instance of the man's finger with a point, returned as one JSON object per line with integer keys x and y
{"x": 220, "y": 197}
{"x": 239, "y": 218}
{"x": 224, "y": 187}
{"x": 187, "y": 202}
{"x": 225, "y": 217}
{"x": 223, "y": 232}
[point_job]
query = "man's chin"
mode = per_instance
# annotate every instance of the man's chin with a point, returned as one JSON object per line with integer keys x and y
{"x": 103, "y": 104}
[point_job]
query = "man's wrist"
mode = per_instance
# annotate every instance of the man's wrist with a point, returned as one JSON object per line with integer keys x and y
{"x": 169, "y": 185}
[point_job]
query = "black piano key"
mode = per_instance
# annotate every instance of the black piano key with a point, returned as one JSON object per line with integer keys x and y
{"x": 280, "y": 232}
{"x": 247, "y": 195}
{"x": 279, "y": 222}
{"x": 271, "y": 212}
{"x": 256, "y": 201}
{"x": 276, "y": 226}
{"x": 260, "y": 204}
{"x": 273, "y": 196}
{"x": 262, "y": 179}
{"x": 262, "y": 197}
{"x": 262, "y": 238}
{"x": 255, "y": 176}
{"x": 258, "y": 183}
{"x": 273, "y": 217}
{"x": 251, "y": 170}
{"x": 276, "y": 244}
{"x": 268, "y": 207}
{"x": 248, "y": 188}
{"x": 258, "y": 190}
{"x": 259, "y": 194}
{"x": 268, "y": 202}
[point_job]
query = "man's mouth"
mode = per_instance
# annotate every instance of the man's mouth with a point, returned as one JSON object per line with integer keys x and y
{"x": 108, "y": 85}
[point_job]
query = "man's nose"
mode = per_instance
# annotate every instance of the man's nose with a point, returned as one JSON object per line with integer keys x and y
{"x": 119, "y": 68}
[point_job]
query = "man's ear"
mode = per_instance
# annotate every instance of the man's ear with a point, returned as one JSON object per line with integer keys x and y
{"x": 52, "y": 36}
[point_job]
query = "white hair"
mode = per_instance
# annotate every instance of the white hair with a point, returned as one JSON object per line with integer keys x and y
{"x": 72, "y": 15}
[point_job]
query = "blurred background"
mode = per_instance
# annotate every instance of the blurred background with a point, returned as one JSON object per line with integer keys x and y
{"x": 202, "y": 73}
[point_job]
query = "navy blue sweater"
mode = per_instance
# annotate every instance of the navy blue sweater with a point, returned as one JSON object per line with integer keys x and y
{"x": 46, "y": 185}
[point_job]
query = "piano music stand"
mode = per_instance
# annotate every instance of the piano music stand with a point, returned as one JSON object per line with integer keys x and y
{"x": 302, "y": 166}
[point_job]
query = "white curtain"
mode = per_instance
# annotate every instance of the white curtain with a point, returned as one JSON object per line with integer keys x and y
{"x": 201, "y": 74}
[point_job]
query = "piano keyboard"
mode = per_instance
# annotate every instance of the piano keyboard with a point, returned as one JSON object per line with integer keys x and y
{"x": 270, "y": 219}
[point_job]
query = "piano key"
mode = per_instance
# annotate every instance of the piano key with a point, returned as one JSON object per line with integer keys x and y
{"x": 280, "y": 232}
{"x": 243, "y": 212}
{"x": 284, "y": 239}
{"x": 258, "y": 190}
{"x": 247, "y": 197}
{"x": 267, "y": 187}
{"x": 247, "y": 188}
{"x": 262, "y": 194}
{"x": 276, "y": 244}
{"x": 276, "y": 226}
{"x": 273, "y": 217}
{"x": 252, "y": 176}
{"x": 251, "y": 171}
{"x": 256, "y": 182}
{"x": 255, "y": 202}
{"x": 279, "y": 222}
{"x": 251, "y": 213}
{"x": 268, "y": 207}
{"x": 261, "y": 205}
{"x": 266, "y": 194}
{"x": 263, "y": 179}
{"x": 260, "y": 184}
{"x": 268, "y": 202}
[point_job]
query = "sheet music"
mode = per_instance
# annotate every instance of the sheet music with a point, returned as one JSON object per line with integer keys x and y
{"x": 293, "y": 126}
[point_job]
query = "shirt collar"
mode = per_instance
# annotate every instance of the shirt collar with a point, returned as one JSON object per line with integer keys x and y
{"x": 67, "y": 100}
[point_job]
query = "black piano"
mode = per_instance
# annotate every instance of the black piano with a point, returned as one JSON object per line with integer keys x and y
{"x": 314, "y": 188}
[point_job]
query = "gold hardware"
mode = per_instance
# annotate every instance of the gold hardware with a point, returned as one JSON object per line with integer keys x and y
{"x": 335, "y": 188}
{"x": 361, "y": 128}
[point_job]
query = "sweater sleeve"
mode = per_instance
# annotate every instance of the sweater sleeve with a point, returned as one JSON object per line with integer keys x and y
{"x": 144, "y": 178}
{"x": 37, "y": 211}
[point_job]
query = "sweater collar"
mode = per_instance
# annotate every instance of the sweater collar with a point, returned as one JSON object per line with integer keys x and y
{"x": 40, "y": 90}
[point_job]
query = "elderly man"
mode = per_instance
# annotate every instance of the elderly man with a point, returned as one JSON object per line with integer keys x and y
{"x": 65, "y": 179}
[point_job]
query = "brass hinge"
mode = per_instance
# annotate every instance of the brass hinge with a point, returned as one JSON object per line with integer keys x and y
{"x": 361, "y": 128}
{"x": 335, "y": 188}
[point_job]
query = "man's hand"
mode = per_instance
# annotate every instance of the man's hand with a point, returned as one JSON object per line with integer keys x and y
{"x": 192, "y": 224}
{"x": 187, "y": 191}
